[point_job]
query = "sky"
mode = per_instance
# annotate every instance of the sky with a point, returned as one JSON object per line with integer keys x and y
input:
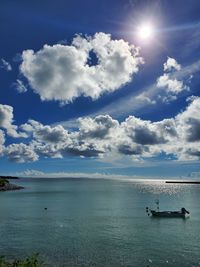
{"x": 100, "y": 88}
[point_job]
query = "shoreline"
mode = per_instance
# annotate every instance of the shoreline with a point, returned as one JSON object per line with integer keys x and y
{"x": 9, "y": 177}
{"x": 10, "y": 187}
{"x": 5, "y": 185}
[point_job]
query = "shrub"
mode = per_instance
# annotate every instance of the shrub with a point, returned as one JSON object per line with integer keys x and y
{"x": 3, "y": 182}
{"x": 28, "y": 262}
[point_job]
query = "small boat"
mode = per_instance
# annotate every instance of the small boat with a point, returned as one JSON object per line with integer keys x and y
{"x": 183, "y": 213}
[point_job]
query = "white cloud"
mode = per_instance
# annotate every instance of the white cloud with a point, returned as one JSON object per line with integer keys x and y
{"x": 188, "y": 122}
{"x": 144, "y": 132}
{"x": 6, "y": 121}
{"x": 63, "y": 73}
{"x": 143, "y": 99}
{"x": 30, "y": 173}
{"x": 48, "y": 140}
{"x": 20, "y": 87}
{"x": 171, "y": 64}
{"x": 47, "y": 150}
{"x": 147, "y": 96}
{"x": 20, "y": 153}
{"x": 84, "y": 149}
{"x": 56, "y": 142}
{"x": 39, "y": 174}
{"x": 2, "y": 141}
{"x": 45, "y": 133}
{"x": 97, "y": 128}
{"x": 169, "y": 82}
{"x": 103, "y": 136}
{"x": 172, "y": 85}
{"x": 5, "y": 65}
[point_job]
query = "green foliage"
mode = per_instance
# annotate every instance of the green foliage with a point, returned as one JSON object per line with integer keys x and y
{"x": 28, "y": 262}
{"x": 3, "y": 182}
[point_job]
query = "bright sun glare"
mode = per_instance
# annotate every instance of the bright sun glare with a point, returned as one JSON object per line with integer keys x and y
{"x": 145, "y": 31}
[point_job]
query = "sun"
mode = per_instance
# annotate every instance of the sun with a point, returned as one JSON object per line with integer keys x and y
{"x": 145, "y": 31}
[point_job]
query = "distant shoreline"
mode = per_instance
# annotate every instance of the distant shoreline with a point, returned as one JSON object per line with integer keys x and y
{"x": 8, "y": 177}
{"x": 182, "y": 182}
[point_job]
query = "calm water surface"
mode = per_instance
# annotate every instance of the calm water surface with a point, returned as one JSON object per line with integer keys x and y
{"x": 100, "y": 223}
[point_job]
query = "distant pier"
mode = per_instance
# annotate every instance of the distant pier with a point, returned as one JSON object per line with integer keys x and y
{"x": 182, "y": 182}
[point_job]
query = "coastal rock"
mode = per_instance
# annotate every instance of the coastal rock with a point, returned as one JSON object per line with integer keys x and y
{"x": 5, "y": 185}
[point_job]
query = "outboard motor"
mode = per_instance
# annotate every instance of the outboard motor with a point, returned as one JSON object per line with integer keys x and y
{"x": 184, "y": 211}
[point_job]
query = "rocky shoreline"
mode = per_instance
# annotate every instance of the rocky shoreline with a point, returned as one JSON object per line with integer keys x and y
{"x": 11, "y": 187}
{"x": 5, "y": 185}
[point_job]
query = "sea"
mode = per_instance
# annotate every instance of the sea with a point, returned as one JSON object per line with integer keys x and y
{"x": 100, "y": 222}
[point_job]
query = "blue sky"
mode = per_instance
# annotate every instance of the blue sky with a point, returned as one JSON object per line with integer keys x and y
{"x": 104, "y": 87}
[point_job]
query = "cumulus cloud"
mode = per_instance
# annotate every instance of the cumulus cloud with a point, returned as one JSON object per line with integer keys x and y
{"x": 48, "y": 141}
{"x": 5, "y": 65}
{"x": 45, "y": 133}
{"x": 20, "y": 153}
{"x": 84, "y": 150}
{"x": 188, "y": 122}
{"x": 98, "y": 128}
{"x": 171, "y": 64}
{"x": 169, "y": 82}
{"x": 102, "y": 136}
{"x": 2, "y": 141}
{"x": 172, "y": 85}
{"x": 131, "y": 149}
{"x": 88, "y": 141}
{"x": 184, "y": 142}
{"x": 47, "y": 150}
{"x": 143, "y": 139}
{"x": 142, "y": 132}
{"x": 6, "y": 121}
{"x": 63, "y": 72}
{"x": 2, "y": 137}
{"x": 57, "y": 142}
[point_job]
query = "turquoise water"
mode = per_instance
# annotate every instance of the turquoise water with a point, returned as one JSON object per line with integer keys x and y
{"x": 100, "y": 223}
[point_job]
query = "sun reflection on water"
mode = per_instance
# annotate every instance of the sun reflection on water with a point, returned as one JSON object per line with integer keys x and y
{"x": 158, "y": 187}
